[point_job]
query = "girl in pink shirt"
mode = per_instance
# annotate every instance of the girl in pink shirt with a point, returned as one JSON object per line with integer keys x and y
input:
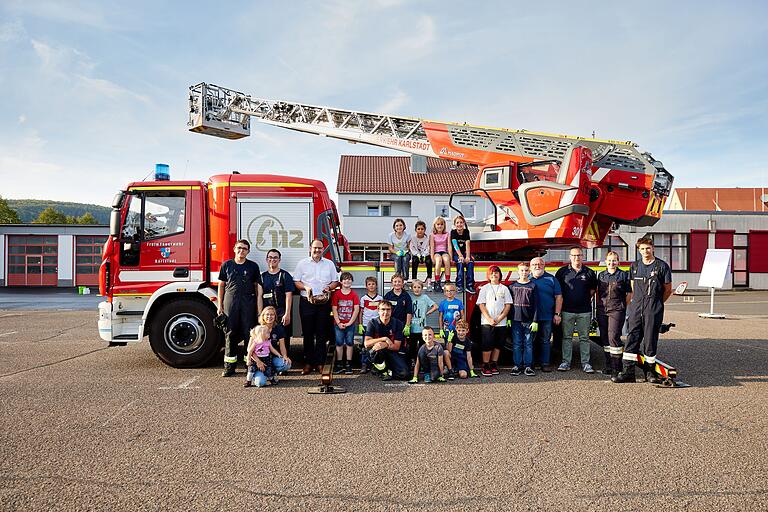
{"x": 438, "y": 249}
{"x": 258, "y": 359}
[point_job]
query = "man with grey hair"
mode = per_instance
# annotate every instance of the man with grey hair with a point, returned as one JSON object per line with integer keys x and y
{"x": 549, "y": 303}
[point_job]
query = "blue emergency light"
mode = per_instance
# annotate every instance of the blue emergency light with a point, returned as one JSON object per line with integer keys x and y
{"x": 162, "y": 172}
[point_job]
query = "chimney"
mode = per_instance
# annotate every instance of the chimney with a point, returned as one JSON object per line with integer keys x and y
{"x": 418, "y": 164}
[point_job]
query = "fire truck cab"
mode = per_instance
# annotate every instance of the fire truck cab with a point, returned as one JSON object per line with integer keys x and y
{"x": 168, "y": 239}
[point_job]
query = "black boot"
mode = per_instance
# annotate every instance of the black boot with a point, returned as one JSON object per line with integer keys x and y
{"x": 607, "y": 368}
{"x": 627, "y": 374}
{"x": 229, "y": 370}
{"x": 650, "y": 375}
{"x": 615, "y": 367}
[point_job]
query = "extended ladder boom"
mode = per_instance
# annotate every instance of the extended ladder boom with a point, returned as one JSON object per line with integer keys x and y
{"x": 215, "y": 110}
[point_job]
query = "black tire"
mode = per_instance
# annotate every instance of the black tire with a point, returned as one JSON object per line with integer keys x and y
{"x": 182, "y": 334}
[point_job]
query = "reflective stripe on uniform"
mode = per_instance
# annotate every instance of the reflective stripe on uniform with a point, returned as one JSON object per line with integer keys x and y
{"x": 629, "y": 356}
{"x": 380, "y": 366}
{"x": 607, "y": 348}
{"x": 231, "y": 360}
{"x": 616, "y": 351}
{"x": 650, "y": 359}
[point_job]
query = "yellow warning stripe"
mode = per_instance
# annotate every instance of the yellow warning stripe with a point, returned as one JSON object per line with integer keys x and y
{"x": 168, "y": 187}
{"x": 353, "y": 269}
{"x": 259, "y": 184}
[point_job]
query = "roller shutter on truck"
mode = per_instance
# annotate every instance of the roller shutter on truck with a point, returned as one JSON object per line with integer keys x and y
{"x": 283, "y": 223}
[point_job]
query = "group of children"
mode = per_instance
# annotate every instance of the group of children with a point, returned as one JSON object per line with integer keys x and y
{"x": 437, "y": 249}
{"x": 440, "y": 356}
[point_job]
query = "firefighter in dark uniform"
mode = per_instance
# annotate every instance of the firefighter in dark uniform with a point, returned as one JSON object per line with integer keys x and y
{"x": 651, "y": 280}
{"x": 613, "y": 295}
{"x": 240, "y": 298}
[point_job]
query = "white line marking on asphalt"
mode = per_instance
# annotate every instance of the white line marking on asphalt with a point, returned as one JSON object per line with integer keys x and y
{"x": 118, "y": 413}
{"x": 10, "y": 314}
{"x": 8, "y": 333}
{"x": 720, "y": 303}
{"x": 184, "y": 385}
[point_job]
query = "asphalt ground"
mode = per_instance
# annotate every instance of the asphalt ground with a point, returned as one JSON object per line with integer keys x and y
{"x": 85, "y": 427}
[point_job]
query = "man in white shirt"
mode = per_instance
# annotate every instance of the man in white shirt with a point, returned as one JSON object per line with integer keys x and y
{"x": 315, "y": 277}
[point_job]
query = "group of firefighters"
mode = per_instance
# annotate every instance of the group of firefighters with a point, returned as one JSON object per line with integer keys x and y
{"x": 637, "y": 296}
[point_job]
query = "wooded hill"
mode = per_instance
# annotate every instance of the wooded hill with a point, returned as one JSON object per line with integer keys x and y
{"x": 29, "y": 209}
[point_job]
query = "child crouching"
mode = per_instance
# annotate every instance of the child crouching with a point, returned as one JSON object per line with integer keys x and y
{"x": 259, "y": 364}
{"x": 430, "y": 359}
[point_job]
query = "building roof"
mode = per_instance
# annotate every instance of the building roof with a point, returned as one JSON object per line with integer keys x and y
{"x": 719, "y": 199}
{"x": 391, "y": 175}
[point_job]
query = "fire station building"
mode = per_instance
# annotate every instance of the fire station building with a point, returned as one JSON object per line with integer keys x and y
{"x": 50, "y": 255}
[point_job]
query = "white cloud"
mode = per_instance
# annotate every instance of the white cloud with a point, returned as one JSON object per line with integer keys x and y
{"x": 109, "y": 89}
{"x": 392, "y": 106}
{"x": 22, "y": 119}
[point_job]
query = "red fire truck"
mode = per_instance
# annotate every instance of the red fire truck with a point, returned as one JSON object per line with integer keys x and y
{"x": 168, "y": 240}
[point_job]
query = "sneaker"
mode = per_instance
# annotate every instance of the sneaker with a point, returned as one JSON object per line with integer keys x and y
{"x": 387, "y": 376}
{"x": 440, "y": 379}
{"x": 229, "y": 371}
{"x": 427, "y": 378}
{"x": 274, "y": 381}
{"x": 588, "y": 368}
{"x": 247, "y": 384}
{"x": 515, "y": 371}
{"x": 494, "y": 368}
{"x": 529, "y": 371}
{"x": 537, "y": 366}
{"x": 337, "y": 367}
{"x": 486, "y": 371}
{"x": 459, "y": 289}
{"x": 564, "y": 367}
{"x": 437, "y": 288}
{"x": 348, "y": 369}
{"x": 471, "y": 290}
{"x": 449, "y": 374}
{"x": 364, "y": 369}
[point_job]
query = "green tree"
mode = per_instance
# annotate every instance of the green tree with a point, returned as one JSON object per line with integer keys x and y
{"x": 51, "y": 216}
{"x": 87, "y": 218}
{"x": 7, "y": 214}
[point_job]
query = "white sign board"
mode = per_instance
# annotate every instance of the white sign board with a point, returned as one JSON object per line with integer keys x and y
{"x": 717, "y": 266}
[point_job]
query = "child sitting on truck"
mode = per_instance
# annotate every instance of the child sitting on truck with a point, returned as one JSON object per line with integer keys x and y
{"x": 260, "y": 371}
{"x": 398, "y": 247}
{"x": 438, "y": 249}
{"x": 462, "y": 255}
{"x": 420, "y": 252}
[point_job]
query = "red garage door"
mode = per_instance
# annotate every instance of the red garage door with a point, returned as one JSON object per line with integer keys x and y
{"x": 33, "y": 260}
{"x": 88, "y": 259}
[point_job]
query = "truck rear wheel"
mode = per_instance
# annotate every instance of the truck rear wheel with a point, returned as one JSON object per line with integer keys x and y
{"x": 182, "y": 334}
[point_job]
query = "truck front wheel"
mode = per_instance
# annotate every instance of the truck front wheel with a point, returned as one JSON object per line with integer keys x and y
{"x": 182, "y": 334}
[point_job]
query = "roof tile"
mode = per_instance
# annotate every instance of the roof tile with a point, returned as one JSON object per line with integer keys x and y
{"x": 391, "y": 175}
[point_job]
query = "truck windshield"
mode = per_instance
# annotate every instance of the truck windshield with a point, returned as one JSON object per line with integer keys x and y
{"x": 155, "y": 214}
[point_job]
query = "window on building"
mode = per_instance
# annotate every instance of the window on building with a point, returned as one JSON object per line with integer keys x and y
{"x": 672, "y": 248}
{"x": 442, "y": 210}
{"x": 740, "y": 273}
{"x": 468, "y": 209}
{"x": 366, "y": 252}
{"x": 612, "y": 243}
{"x": 379, "y": 210}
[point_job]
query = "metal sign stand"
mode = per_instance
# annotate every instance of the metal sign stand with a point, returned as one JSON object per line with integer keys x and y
{"x": 711, "y": 313}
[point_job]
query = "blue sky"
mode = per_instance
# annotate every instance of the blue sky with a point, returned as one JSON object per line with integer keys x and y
{"x": 96, "y": 92}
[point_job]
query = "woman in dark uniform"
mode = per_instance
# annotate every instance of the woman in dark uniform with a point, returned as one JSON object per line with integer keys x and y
{"x": 613, "y": 295}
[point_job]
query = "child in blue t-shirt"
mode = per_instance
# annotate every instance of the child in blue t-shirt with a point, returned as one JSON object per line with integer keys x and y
{"x": 450, "y": 311}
